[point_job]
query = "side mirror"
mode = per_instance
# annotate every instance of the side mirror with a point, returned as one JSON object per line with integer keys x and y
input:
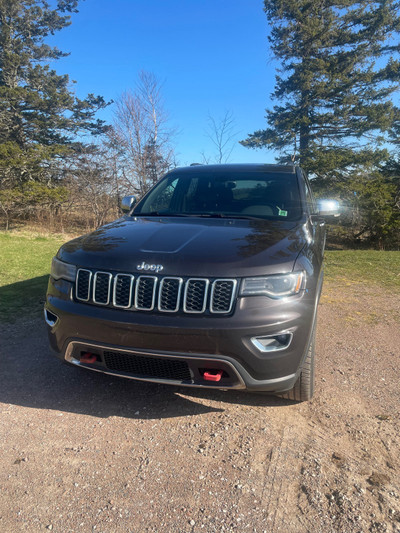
{"x": 127, "y": 203}
{"x": 328, "y": 208}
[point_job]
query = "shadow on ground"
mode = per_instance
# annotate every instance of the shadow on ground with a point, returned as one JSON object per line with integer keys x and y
{"x": 16, "y": 299}
{"x": 30, "y": 376}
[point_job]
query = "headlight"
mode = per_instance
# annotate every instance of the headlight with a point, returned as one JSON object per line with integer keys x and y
{"x": 277, "y": 286}
{"x": 61, "y": 270}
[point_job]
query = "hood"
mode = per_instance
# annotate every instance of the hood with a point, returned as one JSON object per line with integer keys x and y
{"x": 189, "y": 246}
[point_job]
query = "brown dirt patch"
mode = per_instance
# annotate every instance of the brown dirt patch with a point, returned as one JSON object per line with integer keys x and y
{"x": 81, "y": 452}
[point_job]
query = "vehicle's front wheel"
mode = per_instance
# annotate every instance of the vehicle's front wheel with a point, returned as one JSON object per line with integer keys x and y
{"x": 303, "y": 389}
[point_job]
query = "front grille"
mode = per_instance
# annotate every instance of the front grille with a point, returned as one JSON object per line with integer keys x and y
{"x": 169, "y": 294}
{"x": 196, "y": 295}
{"x": 145, "y": 292}
{"x": 148, "y": 367}
{"x": 148, "y": 293}
{"x": 83, "y": 285}
{"x": 221, "y": 295}
{"x": 123, "y": 290}
{"x": 101, "y": 292}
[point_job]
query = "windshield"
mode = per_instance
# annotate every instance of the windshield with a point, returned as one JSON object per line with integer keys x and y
{"x": 236, "y": 195}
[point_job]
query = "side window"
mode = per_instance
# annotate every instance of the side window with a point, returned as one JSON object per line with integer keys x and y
{"x": 311, "y": 205}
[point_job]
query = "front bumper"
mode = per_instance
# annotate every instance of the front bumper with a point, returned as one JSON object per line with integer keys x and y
{"x": 200, "y": 343}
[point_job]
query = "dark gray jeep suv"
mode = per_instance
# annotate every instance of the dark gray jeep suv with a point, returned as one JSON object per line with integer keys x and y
{"x": 211, "y": 280}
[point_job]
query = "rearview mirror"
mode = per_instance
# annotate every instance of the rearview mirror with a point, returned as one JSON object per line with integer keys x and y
{"x": 328, "y": 208}
{"x": 127, "y": 203}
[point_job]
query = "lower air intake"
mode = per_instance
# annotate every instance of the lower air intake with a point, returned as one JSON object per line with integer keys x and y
{"x": 149, "y": 367}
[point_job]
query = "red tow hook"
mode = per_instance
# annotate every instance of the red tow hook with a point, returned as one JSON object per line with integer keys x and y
{"x": 213, "y": 375}
{"x": 88, "y": 358}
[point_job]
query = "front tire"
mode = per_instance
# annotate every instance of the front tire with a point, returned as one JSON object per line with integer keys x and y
{"x": 303, "y": 389}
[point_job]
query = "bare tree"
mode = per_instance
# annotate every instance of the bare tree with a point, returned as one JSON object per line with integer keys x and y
{"x": 222, "y": 133}
{"x": 93, "y": 188}
{"x": 141, "y": 129}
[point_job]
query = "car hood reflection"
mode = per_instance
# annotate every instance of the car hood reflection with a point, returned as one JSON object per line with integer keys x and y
{"x": 190, "y": 246}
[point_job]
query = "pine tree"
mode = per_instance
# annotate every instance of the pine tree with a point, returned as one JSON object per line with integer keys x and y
{"x": 339, "y": 70}
{"x": 40, "y": 117}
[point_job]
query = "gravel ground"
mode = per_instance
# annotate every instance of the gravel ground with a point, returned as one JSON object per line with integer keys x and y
{"x": 83, "y": 452}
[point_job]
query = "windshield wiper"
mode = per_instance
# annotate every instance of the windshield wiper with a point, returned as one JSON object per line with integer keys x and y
{"x": 244, "y": 217}
{"x": 159, "y": 214}
{"x": 222, "y": 215}
{"x": 196, "y": 215}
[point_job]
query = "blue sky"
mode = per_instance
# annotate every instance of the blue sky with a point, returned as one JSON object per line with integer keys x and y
{"x": 212, "y": 56}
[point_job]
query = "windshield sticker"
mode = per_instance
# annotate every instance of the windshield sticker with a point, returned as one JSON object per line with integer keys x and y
{"x": 281, "y": 212}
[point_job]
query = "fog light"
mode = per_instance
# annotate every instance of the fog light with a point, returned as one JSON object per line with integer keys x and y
{"x": 50, "y": 318}
{"x": 272, "y": 343}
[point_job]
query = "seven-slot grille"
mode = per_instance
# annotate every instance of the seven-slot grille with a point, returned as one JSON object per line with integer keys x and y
{"x": 147, "y": 293}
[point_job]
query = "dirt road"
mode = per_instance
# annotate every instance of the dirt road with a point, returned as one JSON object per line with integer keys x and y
{"x": 81, "y": 452}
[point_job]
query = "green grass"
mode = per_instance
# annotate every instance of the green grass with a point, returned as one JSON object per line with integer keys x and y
{"x": 24, "y": 270}
{"x": 371, "y": 266}
{"x": 25, "y": 265}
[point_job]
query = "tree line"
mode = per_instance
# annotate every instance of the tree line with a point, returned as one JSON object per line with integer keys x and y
{"x": 57, "y": 160}
{"x": 335, "y": 113}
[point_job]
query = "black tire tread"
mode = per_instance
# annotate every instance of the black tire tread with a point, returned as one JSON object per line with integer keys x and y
{"x": 303, "y": 389}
